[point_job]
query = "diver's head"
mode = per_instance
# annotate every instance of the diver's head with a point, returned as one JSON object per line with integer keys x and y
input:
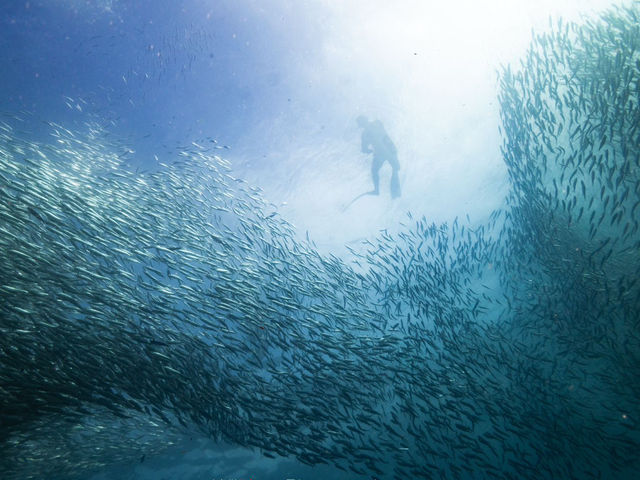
{"x": 362, "y": 121}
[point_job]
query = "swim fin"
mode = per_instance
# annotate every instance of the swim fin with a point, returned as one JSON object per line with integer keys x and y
{"x": 395, "y": 186}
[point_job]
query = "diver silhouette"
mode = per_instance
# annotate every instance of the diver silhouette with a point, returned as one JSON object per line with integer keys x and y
{"x": 376, "y": 140}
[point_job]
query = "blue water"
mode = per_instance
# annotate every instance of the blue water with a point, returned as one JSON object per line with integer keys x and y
{"x": 274, "y": 88}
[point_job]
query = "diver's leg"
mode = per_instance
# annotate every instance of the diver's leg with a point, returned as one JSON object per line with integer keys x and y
{"x": 375, "y": 169}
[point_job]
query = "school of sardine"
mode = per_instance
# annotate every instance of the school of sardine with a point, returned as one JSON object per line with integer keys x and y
{"x": 139, "y": 307}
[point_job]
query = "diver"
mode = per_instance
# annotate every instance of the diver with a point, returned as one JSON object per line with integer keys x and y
{"x": 376, "y": 140}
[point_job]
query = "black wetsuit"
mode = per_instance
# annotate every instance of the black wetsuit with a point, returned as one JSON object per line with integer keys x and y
{"x": 375, "y": 140}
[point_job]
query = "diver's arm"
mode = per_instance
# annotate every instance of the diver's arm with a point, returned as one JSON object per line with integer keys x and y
{"x": 366, "y": 144}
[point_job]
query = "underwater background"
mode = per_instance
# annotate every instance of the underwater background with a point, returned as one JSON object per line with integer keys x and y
{"x": 195, "y": 284}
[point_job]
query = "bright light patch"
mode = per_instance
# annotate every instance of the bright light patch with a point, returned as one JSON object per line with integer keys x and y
{"x": 428, "y": 71}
